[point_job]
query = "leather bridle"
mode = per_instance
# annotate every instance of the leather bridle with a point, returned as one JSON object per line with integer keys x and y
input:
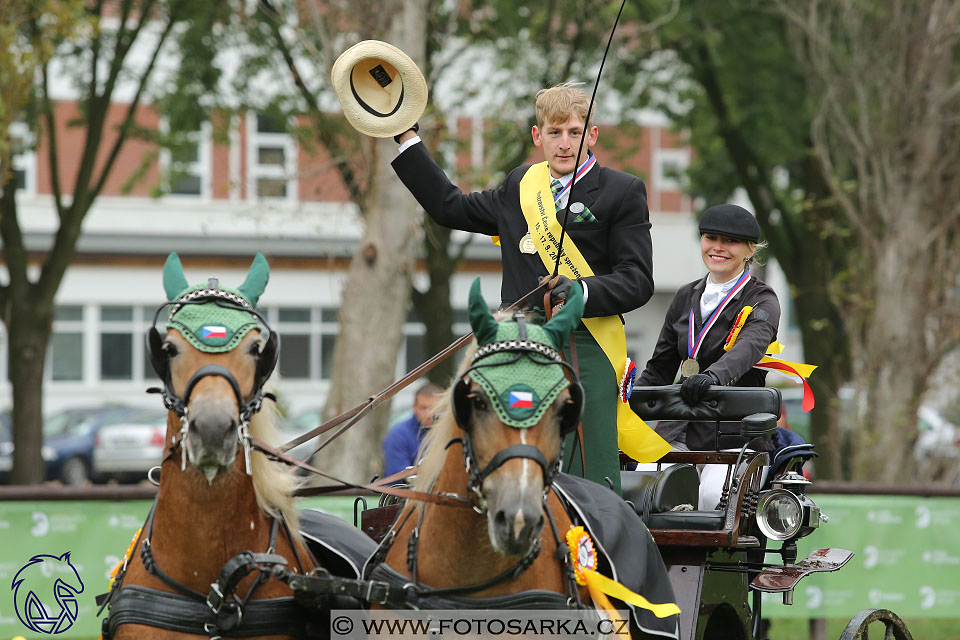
{"x": 266, "y": 362}
{"x": 463, "y": 396}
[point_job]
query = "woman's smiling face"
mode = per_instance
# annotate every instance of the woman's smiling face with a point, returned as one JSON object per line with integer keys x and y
{"x": 724, "y": 256}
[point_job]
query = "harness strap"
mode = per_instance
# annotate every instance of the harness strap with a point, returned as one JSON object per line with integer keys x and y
{"x": 531, "y": 599}
{"x": 321, "y": 582}
{"x": 379, "y": 487}
{"x": 235, "y": 570}
{"x": 518, "y": 451}
{"x": 362, "y": 409}
{"x": 175, "y": 612}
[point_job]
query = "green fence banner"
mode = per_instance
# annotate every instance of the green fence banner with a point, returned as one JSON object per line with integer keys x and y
{"x": 907, "y": 558}
{"x": 95, "y": 534}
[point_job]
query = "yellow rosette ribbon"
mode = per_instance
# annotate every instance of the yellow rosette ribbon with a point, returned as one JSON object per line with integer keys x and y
{"x": 584, "y": 557}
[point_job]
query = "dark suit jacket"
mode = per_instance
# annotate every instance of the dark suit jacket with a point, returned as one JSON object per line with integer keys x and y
{"x": 617, "y": 246}
{"x": 733, "y": 367}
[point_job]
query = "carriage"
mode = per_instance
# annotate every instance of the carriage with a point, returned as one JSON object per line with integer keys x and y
{"x": 706, "y": 551}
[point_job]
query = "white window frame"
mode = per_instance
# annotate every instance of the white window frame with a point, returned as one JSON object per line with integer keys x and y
{"x": 203, "y": 167}
{"x": 662, "y": 181}
{"x": 255, "y": 170}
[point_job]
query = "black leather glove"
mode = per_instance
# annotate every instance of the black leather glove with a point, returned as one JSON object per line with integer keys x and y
{"x": 560, "y": 290}
{"x": 693, "y": 388}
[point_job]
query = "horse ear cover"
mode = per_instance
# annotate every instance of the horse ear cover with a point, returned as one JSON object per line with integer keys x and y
{"x": 564, "y": 321}
{"x": 257, "y": 278}
{"x": 174, "y": 281}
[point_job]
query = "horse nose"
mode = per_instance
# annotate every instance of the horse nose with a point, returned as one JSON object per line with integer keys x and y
{"x": 215, "y": 428}
{"x": 518, "y": 528}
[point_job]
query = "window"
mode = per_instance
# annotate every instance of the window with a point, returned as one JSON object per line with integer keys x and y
{"x": 669, "y": 167}
{"x": 308, "y": 337}
{"x": 116, "y": 343}
{"x": 24, "y": 159}
{"x": 187, "y": 165}
{"x": 66, "y": 344}
{"x": 271, "y": 159}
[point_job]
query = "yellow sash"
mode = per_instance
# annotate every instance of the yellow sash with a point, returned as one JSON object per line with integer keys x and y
{"x": 634, "y": 437}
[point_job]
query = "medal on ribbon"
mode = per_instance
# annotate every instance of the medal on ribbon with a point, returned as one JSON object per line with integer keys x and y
{"x": 690, "y": 366}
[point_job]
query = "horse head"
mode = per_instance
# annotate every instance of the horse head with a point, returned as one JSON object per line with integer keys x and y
{"x": 214, "y": 359}
{"x": 515, "y": 403}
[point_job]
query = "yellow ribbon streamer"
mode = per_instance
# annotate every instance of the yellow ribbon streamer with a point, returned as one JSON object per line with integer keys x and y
{"x": 607, "y": 587}
{"x": 634, "y": 436}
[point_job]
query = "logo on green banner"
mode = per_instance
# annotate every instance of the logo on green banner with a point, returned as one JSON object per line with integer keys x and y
{"x": 45, "y": 594}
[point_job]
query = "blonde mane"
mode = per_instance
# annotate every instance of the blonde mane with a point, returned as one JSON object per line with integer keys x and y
{"x": 433, "y": 450}
{"x": 273, "y": 482}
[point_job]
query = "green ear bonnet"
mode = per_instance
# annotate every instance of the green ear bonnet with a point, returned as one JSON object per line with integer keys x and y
{"x": 227, "y": 315}
{"x": 519, "y": 364}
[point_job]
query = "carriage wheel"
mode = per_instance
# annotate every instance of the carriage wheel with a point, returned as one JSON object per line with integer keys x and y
{"x": 895, "y": 628}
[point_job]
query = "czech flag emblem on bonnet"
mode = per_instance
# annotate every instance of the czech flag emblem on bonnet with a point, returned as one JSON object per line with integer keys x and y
{"x": 521, "y": 400}
{"x": 214, "y": 331}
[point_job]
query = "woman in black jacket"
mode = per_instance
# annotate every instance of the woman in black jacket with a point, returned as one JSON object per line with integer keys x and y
{"x": 734, "y": 318}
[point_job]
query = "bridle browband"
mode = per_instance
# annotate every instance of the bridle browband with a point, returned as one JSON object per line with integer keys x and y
{"x": 536, "y": 352}
{"x": 179, "y": 405}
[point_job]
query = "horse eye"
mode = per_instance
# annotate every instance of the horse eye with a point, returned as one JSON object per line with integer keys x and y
{"x": 169, "y": 349}
{"x": 478, "y": 401}
{"x": 255, "y": 349}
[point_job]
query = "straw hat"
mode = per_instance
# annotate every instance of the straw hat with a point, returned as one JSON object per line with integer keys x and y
{"x": 381, "y": 90}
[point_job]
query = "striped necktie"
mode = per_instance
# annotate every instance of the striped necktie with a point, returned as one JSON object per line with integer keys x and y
{"x": 556, "y": 187}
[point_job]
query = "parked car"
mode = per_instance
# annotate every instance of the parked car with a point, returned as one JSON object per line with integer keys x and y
{"x": 69, "y": 437}
{"x": 126, "y": 451}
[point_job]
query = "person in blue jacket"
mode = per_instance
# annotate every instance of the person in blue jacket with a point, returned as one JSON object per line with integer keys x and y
{"x": 402, "y": 442}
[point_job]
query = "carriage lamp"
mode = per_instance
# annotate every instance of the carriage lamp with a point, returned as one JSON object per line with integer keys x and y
{"x": 783, "y": 514}
{"x": 779, "y": 514}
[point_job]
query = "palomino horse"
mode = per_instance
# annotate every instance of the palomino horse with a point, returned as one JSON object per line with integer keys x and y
{"x": 497, "y": 447}
{"x": 183, "y": 576}
{"x": 503, "y": 458}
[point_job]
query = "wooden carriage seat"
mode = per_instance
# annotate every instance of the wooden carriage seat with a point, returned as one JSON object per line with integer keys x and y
{"x": 671, "y": 496}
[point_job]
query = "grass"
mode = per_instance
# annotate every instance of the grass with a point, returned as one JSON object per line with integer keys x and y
{"x": 920, "y": 628}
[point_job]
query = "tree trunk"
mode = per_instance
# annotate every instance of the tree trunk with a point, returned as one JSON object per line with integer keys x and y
{"x": 433, "y": 306}
{"x": 376, "y": 294}
{"x": 894, "y": 362}
{"x": 29, "y": 331}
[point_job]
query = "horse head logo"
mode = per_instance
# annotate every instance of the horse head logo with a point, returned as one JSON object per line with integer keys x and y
{"x": 45, "y": 593}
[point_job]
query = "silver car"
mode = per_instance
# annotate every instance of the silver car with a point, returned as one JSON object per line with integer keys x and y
{"x": 126, "y": 451}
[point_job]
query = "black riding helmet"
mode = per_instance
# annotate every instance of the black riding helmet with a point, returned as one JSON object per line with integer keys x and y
{"x": 730, "y": 220}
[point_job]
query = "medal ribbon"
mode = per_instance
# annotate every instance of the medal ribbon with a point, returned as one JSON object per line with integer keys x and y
{"x": 586, "y": 166}
{"x": 693, "y": 346}
{"x": 634, "y": 436}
